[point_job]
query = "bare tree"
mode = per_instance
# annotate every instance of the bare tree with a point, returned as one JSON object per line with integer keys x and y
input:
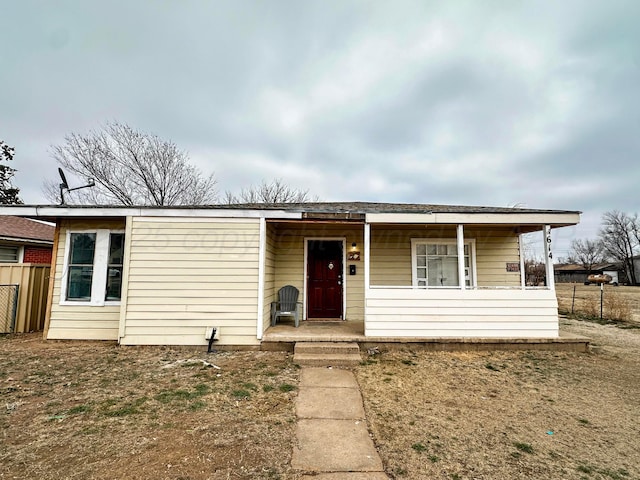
{"x": 8, "y": 193}
{"x": 535, "y": 272}
{"x": 130, "y": 167}
{"x": 586, "y": 253}
{"x": 268, "y": 193}
{"x": 535, "y": 269}
{"x": 619, "y": 237}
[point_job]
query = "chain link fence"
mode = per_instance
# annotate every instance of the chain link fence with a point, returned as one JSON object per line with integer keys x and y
{"x": 8, "y": 307}
{"x": 593, "y": 302}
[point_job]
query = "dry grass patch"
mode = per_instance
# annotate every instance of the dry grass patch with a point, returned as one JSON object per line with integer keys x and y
{"x": 95, "y": 410}
{"x": 621, "y": 304}
{"x": 516, "y": 415}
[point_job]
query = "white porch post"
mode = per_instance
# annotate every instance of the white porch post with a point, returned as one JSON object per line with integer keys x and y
{"x": 523, "y": 274}
{"x": 460, "y": 245}
{"x": 367, "y": 257}
{"x": 548, "y": 257}
{"x": 261, "y": 261}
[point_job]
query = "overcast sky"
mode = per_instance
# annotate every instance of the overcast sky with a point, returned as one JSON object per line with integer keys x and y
{"x": 454, "y": 102}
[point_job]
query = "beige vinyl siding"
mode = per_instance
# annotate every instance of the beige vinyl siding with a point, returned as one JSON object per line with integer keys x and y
{"x": 81, "y": 321}
{"x": 187, "y": 274}
{"x": 494, "y": 249}
{"x": 391, "y": 253}
{"x": 461, "y": 313}
{"x": 289, "y": 260}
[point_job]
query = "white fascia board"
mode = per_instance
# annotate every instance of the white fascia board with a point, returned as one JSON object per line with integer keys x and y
{"x": 27, "y": 241}
{"x": 50, "y": 211}
{"x": 19, "y": 211}
{"x": 219, "y": 213}
{"x": 543, "y": 218}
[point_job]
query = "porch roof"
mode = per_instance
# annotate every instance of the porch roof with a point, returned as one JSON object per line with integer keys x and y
{"x": 380, "y": 207}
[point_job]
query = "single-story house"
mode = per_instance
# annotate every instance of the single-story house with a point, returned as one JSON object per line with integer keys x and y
{"x": 165, "y": 275}
{"x": 25, "y": 259}
{"x": 572, "y": 273}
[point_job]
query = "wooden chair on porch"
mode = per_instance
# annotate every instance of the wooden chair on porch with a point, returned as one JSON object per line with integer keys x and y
{"x": 287, "y": 305}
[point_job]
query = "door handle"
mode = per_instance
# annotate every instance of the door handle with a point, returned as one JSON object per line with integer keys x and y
{"x": 339, "y": 282}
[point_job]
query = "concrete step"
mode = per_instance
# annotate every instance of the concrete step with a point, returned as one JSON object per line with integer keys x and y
{"x": 325, "y": 354}
{"x": 327, "y": 359}
{"x": 327, "y": 347}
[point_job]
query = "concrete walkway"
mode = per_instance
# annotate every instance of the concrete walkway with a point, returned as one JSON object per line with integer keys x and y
{"x": 333, "y": 442}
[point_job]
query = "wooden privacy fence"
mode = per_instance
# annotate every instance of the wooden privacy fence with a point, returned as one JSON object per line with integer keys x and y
{"x": 31, "y": 299}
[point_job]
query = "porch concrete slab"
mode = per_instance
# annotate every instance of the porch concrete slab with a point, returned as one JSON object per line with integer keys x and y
{"x": 283, "y": 337}
{"x": 327, "y": 377}
{"x": 347, "y": 476}
{"x": 334, "y": 446}
{"x": 333, "y": 403}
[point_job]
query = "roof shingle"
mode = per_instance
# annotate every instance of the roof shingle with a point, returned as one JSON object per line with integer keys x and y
{"x": 25, "y": 229}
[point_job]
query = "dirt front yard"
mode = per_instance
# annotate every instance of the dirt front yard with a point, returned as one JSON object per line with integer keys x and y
{"x": 510, "y": 415}
{"x": 92, "y": 410}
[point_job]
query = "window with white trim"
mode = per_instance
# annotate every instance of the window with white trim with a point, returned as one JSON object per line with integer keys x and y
{"x": 435, "y": 263}
{"x": 9, "y": 254}
{"x": 115, "y": 262}
{"x": 93, "y": 267}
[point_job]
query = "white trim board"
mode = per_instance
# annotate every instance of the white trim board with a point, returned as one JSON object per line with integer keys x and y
{"x": 97, "y": 212}
{"x": 261, "y": 277}
{"x": 553, "y": 219}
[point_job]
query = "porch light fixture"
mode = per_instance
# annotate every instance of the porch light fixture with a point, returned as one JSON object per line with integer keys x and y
{"x": 353, "y": 246}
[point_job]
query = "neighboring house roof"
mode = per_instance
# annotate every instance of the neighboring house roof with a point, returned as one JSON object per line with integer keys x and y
{"x": 25, "y": 230}
{"x": 579, "y": 268}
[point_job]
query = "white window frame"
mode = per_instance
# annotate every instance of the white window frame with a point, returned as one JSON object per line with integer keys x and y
{"x": 100, "y": 267}
{"x": 19, "y": 253}
{"x": 471, "y": 242}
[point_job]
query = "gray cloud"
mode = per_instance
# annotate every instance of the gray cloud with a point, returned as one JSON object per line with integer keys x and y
{"x": 448, "y": 102}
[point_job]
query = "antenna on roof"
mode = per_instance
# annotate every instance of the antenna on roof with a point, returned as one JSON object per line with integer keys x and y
{"x": 65, "y": 185}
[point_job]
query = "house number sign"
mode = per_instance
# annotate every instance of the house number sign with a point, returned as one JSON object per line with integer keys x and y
{"x": 513, "y": 267}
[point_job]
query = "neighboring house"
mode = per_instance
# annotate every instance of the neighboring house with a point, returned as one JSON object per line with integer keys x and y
{"x": 163, "y": 275}
{"x": 636, "y": 266}
{"x": 25, "y": 259}
{"x": 25, "y": 241}
{"x": 572, "y": 273}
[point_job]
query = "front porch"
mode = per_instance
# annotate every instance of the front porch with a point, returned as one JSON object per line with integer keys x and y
{"x": 283, "y": 337}
{"x": 409, "y": 281}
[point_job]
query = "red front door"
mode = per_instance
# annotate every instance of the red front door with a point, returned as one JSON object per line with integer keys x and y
{"x": 324, "y": 279}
